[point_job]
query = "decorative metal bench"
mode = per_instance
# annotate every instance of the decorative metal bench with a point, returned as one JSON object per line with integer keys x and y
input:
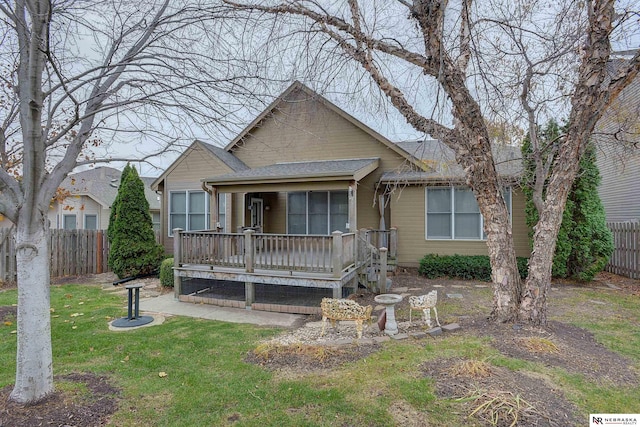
{"x": 344, "y": 309}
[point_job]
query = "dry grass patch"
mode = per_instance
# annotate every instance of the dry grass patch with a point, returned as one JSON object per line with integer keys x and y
{"x": 471, "y": 369}
{"x": 500, "y": 407}
{"x": 539, "y": 345}
{"x": 321, "y": 353}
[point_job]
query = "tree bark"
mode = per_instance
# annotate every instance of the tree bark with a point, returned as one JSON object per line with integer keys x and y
{"x": 34, "y": 360}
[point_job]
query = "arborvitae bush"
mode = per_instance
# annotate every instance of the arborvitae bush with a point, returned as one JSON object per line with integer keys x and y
{"x": 584, "y": 242}
{"x": 166, "y": 272}
{"x": 114, "y": 207}
{"x": 134, "y": 250}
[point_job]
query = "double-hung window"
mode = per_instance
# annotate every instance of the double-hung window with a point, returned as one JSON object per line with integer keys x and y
{"x": 453, "y": 214}
{"x": 188, "y": 210}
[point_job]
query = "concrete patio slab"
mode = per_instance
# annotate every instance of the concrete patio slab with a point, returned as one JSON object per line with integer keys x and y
{"x": 168, "y": 305}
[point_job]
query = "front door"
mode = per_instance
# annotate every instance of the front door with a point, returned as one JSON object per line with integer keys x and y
{"x": 257, "y": 214}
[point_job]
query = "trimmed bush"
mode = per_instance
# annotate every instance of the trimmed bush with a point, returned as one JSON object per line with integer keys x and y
{"x": 134, "y": 250}
{"x": 466, "y": 267}
{"x": 166, "y": 272}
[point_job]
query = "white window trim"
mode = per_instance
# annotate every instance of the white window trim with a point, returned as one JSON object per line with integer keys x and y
{"x": 187, "y": 192}
{"x": 452, "y": 215}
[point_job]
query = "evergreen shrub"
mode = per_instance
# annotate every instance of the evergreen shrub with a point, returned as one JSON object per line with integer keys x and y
{"x": 134, "y": 250}
{"x": 467, "y": 267}
{"x": 166, "y": 272}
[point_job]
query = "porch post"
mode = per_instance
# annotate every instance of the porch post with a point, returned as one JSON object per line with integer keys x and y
{"x": 382, "y": 279}
{"x": 248, "y": 250}
{"x": 213, "y": 207}
{"x": 353, "y": 207}
{"x": 393, "y": 242}
{"x": 177, "y": 254}
{"x": 337, "y": 261}
{"x": 249, "y": 294}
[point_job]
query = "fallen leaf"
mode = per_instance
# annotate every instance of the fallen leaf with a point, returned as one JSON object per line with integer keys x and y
{"x": 74, "y": 327}
{"x": 76, "y": 314}
{"x": 53, "y": 310}
{"x": 162, "y": 374}
{"x": 7, "y": 323}
{"x": 14, "y": 332}
{"x": 81, "y": 302}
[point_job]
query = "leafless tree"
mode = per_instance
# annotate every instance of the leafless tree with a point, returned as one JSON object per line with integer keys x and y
{"x": 446, "y": 43}
{"x": 78, "y": 75}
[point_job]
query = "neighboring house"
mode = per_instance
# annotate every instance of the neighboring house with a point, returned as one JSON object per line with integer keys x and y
{"x": 617, "y": 137}
{"x": 85, "y": 200}
{"x": 306, "y": 167}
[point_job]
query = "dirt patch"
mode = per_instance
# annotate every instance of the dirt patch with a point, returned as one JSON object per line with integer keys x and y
{"x": 571, "y": 348}
{"x": 515, "y": 396}
{"x": 65, "y": 408}
{"x": 308, "y": 358}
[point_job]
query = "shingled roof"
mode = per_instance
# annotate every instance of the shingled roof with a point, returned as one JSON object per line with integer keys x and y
{"x": 101, "y": 184}
{"x": 314, "y": 170}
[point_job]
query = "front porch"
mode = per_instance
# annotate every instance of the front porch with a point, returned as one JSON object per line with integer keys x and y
{"x": 278, "y": 264}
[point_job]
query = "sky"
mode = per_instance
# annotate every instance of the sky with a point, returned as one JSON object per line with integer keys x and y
{"x": 347, "y": 86}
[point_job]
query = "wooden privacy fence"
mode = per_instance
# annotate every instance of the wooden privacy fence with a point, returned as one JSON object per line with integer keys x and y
{"x": 73, "y": 253}
{"x": 625, "y": 259}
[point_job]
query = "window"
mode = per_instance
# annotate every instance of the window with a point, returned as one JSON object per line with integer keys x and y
{"x": 317, "y": 212}
{"x": 91, "y": 222}
{"x": 188, "y": 210}
{"x": 69, "y": 222}
{"x": 155, "y": 220}
{"x": 453, "y": 213}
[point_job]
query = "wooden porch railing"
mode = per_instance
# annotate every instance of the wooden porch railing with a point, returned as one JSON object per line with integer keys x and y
{"x": 383, "y": 239}
{"x": 250, "y": 250}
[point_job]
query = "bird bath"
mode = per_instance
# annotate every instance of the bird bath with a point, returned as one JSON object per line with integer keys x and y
{"x": 389, "y": 301}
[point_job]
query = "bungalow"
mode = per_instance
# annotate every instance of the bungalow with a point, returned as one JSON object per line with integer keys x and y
{"x": 84, "y": 200}
{"x": 307, "y": 178}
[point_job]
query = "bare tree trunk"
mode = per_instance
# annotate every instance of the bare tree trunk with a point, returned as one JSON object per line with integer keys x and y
{"x": 34, "y": 360}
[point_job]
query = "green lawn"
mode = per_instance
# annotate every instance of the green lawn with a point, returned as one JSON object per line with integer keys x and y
{"x": 209, "y": 384}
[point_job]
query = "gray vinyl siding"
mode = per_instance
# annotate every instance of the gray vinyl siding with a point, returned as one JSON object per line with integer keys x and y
{"x": 617, "y": 138}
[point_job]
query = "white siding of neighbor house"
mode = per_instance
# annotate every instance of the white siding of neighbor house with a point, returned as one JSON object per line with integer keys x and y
{"x": 78, "y": 206}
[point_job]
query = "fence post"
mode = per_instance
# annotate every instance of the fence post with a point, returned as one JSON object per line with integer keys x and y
{"x": 99, "y": 251}
{"x": 382, "y": 278}
{"x": 248, "y": 250}
{"x": 177, "y": 254}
